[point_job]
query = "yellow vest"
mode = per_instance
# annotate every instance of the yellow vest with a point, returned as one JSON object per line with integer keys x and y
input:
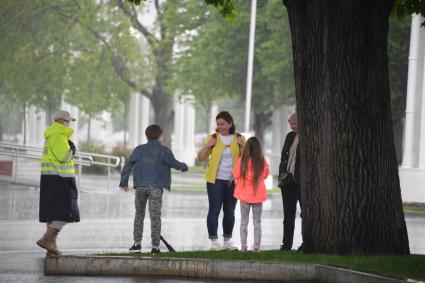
{"x": 215, "y": 155}
{"x": 57, "y": 156}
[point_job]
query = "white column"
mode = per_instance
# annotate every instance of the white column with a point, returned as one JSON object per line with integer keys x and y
{"x": 133, "y": 120}
{"x": 107, "y": 139}
{"x": 412, "y": 173}
{"x": 280, "y": 128}
{"x": 183, "y": 144}
{"x": 413, "y": 103}
{"x": 144, "y": 109}
{"x": 250, "y": 65}
{"x": 36, "y": 125}
{"x": 138, "y": 119}
{"x": 421, "y": 94}
{"x": 213, "y": 114}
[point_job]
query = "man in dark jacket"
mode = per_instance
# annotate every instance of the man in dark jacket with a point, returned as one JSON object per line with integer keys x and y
{"x": 290, "y": 163}
{"x": 58, "y": 191}
{"x": 152, "y": 162}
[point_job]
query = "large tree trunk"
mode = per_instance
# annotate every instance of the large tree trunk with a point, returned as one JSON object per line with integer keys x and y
{"x": 162, "y": 105}
{"x": 350, "y": 189}
{"x": 161, "y": 101}
{"x": 398, "y": 139}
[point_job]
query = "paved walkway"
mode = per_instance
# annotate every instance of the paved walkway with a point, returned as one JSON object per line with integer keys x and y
{"x": 106, "y": 225}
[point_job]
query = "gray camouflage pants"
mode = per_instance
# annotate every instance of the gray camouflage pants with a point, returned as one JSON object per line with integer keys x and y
{"x": 154, "y": 196}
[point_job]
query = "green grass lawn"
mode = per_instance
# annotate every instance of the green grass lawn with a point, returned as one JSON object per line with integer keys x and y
{"x": 414, "y": 208}
{"x": 405, "y": 267}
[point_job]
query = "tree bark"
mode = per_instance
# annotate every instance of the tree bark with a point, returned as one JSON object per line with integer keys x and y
{"x": 162, "y": 105}
{"x": 350, "y": 188}
{"x": 162, "y": 48}
{"x": 398, "y": 140}
{"x": 161, "y": 101}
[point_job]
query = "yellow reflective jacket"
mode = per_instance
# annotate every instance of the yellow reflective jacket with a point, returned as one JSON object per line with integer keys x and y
{"x": 57, "y": 156}
{"x": 215, "y": 155}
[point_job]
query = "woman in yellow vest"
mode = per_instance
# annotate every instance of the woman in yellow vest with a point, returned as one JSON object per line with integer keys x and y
{"x": 58, "y": 191}
{"x": 221, "y": 149}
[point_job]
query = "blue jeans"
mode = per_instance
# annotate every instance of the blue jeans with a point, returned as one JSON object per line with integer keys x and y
{"x": 221, "y": 194}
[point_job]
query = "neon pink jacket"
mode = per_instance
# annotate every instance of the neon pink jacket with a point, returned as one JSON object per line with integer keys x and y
{"x": 244, "y": 190}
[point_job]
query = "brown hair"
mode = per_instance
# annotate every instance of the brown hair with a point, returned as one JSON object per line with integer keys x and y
{"x": 153, "y": 132}
{"x": 228, "y": 118}
{"x": 253, "y": 150}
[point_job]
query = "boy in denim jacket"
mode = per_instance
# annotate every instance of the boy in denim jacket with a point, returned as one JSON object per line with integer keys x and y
{"x": 152, "y": 173}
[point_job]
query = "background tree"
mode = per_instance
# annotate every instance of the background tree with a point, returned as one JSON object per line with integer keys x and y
{"x": 67, "y": 50}
{"x": 32, "y": 54}
{"x": 213, "y": 65}
{"x": 173, "y": 19}
{"x": 95, "y": 73}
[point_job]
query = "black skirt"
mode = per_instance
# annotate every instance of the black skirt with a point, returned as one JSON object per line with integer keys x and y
{"x": 58, "y": 199}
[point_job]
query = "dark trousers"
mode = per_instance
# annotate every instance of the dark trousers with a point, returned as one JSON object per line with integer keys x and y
{"x": 290, "y": 197}
{"x": 220, "y": 195}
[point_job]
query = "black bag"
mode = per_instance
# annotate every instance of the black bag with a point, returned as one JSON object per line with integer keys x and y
{"x": 285, "y": 179}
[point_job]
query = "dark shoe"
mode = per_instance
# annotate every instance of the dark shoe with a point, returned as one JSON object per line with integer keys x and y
{"x": 301, "y": 248}
{"x": 155, "y": 251}
{"x": 284, "y": 248}
{"x": 135, "y": 249}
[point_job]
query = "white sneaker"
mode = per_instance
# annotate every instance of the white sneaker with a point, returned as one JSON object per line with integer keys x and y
{"x": 215, "y": 246}
{"x": 228, "y": 245}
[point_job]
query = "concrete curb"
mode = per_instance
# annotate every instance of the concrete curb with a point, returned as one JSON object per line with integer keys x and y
{"x": 203, "y": 268}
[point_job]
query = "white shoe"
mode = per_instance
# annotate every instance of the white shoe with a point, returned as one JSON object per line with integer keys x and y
{"x": 228, "y": 245}
{"x": 215, "y": 246}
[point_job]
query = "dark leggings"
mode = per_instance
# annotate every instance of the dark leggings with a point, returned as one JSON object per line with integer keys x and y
{"x": 290, "y": 197}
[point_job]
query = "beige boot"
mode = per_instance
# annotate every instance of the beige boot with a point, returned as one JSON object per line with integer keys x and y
{"x": 50, "y": 253}
{"x": 48, "y": 241}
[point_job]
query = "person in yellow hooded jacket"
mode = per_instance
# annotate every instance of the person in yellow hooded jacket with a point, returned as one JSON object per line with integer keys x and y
{"x": 222, "y": 150}
{"x": 58, "y": 190}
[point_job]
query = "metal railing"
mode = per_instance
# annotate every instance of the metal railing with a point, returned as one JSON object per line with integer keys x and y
{"x": 99, "y": 159}
{"x": 81, "y": 158}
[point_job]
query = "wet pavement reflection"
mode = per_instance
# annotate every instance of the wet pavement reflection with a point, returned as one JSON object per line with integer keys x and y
{"x": 107, "y": 225}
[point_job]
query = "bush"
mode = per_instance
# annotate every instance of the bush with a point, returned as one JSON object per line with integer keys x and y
{"x": 121, "y": 151}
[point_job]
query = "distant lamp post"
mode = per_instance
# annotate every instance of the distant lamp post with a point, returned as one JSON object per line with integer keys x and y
{"x": 250, "y": 65}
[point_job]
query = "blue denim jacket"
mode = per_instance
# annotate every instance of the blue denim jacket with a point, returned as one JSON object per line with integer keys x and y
{"x": 153, "y": 163}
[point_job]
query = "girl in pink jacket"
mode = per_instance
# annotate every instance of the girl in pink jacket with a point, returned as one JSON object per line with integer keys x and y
{"x": 249, "y": 172}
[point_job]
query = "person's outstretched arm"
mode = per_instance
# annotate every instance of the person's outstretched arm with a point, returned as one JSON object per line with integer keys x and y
{"x": 125, "y": 174}
{"x": 169, "y": 159}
